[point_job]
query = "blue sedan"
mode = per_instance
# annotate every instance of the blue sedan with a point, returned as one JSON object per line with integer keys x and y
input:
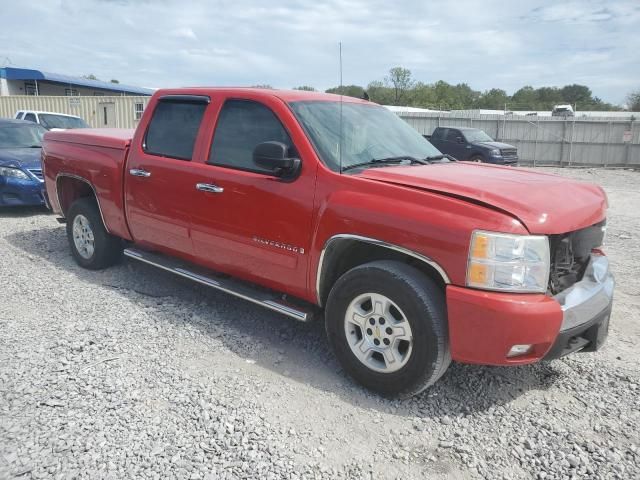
{"x": 21, "y": 180}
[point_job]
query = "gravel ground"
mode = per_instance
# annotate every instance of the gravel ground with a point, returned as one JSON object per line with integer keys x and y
{"x": 134, "y": 373}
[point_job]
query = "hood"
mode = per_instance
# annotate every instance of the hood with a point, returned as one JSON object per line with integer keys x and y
{"x": 20, "y": 157}
{"x": 499, "y": 145}
{"x": 544, "y": 203}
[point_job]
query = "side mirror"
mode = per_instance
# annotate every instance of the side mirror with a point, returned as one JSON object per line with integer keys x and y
{"x": 272, "y": 156}
{"x": 460, "y": 139}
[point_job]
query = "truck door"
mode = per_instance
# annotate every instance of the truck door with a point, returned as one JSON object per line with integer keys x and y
{"x": 160, "y": 178}
{"x": 248, "y": 222}
{"x": 454, "y": 145}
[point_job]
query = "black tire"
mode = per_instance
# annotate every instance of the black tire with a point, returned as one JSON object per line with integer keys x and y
{"x": 423, "y": 304}
{"x": 477, "y": 159}
{"x": 107, "y": 248}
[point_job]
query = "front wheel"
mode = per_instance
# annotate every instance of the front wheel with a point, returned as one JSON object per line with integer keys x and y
{"x": 91, "y": 245}
{"x": 387, "y": 324}
{"x": 476, "y": 159}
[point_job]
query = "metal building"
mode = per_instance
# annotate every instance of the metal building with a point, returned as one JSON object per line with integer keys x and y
{"x": 25, "y": 81}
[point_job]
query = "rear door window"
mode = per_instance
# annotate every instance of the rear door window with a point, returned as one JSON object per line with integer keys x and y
{"x": 30, "y": 117}
{"x": 174, "y": 128}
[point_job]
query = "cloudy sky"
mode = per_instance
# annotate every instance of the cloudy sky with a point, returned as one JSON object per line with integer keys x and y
{"x": 157, "y": 43}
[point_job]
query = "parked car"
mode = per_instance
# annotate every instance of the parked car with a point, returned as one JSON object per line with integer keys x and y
{"x": 52, "y": 120}
{"x": 474, "y": 145}
{"x": 562, "y": 111}
{"x": 21, "y": 181}
{"x": 305, "y": 202}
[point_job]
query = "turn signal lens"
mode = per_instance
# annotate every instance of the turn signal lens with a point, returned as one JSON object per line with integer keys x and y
{"x": 507, "y": 262}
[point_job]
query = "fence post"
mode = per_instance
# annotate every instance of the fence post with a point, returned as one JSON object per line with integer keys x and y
{"x": 608, "y": 145}
{"x": 535, "y": 143}
{"x": 573, "y": 127}
{"x": 564, "y": 131}
{"x": 627, "y": 153}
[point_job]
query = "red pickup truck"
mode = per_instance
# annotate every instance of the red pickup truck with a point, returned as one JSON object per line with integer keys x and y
{"x": 315, "y": 205}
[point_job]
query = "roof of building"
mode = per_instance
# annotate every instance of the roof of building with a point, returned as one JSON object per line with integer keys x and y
{"x": 11, "y": 73}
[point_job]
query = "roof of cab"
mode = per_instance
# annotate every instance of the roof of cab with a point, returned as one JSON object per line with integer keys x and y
{"x": 14, "y": 121}
{"x": 285, "y": 95}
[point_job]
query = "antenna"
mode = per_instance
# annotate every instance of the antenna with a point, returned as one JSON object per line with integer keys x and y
{"x": 341, "y": 94}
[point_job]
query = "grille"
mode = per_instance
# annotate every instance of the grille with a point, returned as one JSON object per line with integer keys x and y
{"x": 37, "y": 172}
{"x": 509, "y": 152}
{"x": 570, "y": 255}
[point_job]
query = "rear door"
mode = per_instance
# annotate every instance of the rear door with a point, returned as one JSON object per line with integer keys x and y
{"x": 160, "y": 178}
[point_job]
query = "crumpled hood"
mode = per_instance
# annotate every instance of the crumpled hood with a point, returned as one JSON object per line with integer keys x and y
{"x": 544, "y": 203}
{"x": 498, "y": 145}
{"x": 20, "y": 157}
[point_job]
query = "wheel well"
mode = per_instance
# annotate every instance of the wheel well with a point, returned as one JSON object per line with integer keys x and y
{"x": 341, "y": 255}
{"x": 70, "y": 189}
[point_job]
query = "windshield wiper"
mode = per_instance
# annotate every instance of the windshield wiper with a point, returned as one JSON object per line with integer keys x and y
{"x": 34, "y": 146}
{"x": 442, "y": 157}
{"x": 378, "y": 161}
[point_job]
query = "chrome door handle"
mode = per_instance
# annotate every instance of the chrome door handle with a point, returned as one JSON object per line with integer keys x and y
{"x": 136, "y": 172}
{"x": 208, "y": 187}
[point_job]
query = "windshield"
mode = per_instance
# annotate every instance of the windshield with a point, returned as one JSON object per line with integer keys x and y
{"x": 369, "y": 132}
{"x": 50, "y": 121}
{"x": 476, "y": 136}
{"x": 21, "y": 136}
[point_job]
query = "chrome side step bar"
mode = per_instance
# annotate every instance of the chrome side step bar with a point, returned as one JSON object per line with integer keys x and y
{"x": 263, "y": 297}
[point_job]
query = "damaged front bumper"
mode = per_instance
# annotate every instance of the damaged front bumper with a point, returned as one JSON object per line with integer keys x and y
{"x": 586, "y": 309}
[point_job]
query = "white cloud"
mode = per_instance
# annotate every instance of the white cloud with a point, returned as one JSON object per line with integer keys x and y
{"x": 293, "y": 42}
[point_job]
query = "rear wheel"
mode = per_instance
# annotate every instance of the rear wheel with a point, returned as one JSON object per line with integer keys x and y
{"x": 91, "y": 245}
{"x": 386, "y": 322}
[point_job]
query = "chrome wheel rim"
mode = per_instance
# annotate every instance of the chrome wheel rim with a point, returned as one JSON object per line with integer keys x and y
{"x": 83, "y": 237}
{"x": 378, "y": 333}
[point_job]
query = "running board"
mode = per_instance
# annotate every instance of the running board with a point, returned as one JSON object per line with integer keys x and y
{"x": 263, "y": 297}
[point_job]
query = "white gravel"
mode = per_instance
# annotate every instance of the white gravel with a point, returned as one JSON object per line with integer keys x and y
{"x": 134, "y": 373}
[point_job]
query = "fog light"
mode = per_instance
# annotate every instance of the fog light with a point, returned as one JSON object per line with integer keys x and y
{"x": 518, "y": 350}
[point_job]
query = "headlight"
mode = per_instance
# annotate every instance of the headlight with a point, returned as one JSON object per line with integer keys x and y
{"x": 506, "y": 262}
{"x": 13, "y": 172}
{"x": 495, "y": 153}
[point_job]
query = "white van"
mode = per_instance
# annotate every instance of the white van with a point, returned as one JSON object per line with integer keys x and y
{"x": 562, "y": 111}
{"x": 52, "y": 120}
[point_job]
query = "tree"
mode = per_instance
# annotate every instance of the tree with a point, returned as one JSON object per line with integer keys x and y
{"x": 633, "y": 101}
{"x": 380, "y": 93}
{"x": 494, "y": 99}
{"x": 400, "y": 80}
{"x": 113, "y": 80}
{"x": 262, "y": 85}
{"x": 355, "y": 91}
{"x": 579, "y": 94}
{"x": 306, "y": 88}
{"x": 91, "y": 76}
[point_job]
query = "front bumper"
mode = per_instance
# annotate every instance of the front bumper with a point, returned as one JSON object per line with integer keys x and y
{"x": 17, "y": 191}
{"x": 484, "y": 326}
{"x": 500, "y": 160}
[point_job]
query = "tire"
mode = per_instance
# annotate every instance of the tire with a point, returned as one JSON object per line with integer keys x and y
{"x": 476, "y": 159}
{"x": 84, "y": 215}
{"x": 416, "y": 298}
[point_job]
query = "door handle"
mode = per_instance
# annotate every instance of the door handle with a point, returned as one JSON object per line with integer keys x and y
{"x": 136, "y": 172}
{"x": 208, "y": 187}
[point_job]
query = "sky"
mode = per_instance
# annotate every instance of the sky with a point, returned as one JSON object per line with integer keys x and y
{"x": 486, "y": 44}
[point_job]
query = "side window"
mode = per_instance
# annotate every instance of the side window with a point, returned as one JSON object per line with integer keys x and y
{"x": 440, "y": 133}
{"x": 30, "y": 117}
{"x": 242, "y": 125}
{"x": 452, "y": 135}
{"x": 173, "y": 129}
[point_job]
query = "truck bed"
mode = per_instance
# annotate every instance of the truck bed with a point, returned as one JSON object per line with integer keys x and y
{"x": 95, "y": 156}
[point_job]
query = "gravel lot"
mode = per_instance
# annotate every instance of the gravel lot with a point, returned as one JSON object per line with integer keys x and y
{"x": 134, "y": 373}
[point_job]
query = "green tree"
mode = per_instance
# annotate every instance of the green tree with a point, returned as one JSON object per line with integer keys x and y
{"x": 524, "y": 99}
{"x": 306, "y": 88}
{"x": 633, "y": 101}
{"x": 262, "y": 85}
{"x": 113, "y": 80}
{"x": 494, "y": 99}
{"x": 380, "y": 93}
{"x": 355, "y": 91}
{"x": 91, "y": 76}
{"x": 400, "y": 80}
{"x": 576, "y": 94}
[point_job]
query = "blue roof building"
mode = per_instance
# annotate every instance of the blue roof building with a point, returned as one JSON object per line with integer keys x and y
{"x": 25, "y": 81}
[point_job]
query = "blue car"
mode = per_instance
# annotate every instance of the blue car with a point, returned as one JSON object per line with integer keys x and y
{"x": 21, "y": 180}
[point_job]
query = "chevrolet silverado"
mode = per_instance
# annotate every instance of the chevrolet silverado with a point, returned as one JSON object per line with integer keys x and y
{"x": 325, "y": 207}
